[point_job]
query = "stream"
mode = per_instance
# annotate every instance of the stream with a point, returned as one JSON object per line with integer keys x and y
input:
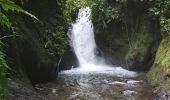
{"x": 94, "y": 79}
{"x": 97, "y": 86}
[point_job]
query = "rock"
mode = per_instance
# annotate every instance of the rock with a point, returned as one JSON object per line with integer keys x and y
{"x": 19, "y": 91}
{"x": 68, "y": 60}
{"x": 161, "y": 94}
{"x": 54, "y": 90}
{"x": 117, "y": 83}
{"x": 104, "y": 81}
{"x": 97, "y": 52}
{"x": 128, "y": 93}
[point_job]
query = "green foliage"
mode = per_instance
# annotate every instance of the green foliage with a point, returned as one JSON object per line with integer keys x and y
{"x": 138, "y": 47}
{"x": 163, "y": 53}
{"x": 162, "y": 9}
{"x": 165, "y": 19}
{"x": 70, "y": 7}
{"x": 57, "y": 42}
{"x": 139, "y": 41}
{"x": 166, "y": 6}
{"x": 7, "y": 5}
{"x": 3, "y": 68}
{"x": 161, "y": 68}
{"x": 103, "y": 12}
{"x": 165, "y": 23}
{"x": 156, "y": 75}
{"x": 4, "y": 21}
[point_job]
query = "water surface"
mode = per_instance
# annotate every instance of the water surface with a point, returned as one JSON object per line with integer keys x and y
{"x": 105, "y": 85}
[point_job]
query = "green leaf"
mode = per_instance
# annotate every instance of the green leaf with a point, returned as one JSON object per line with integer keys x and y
{"x": 9, "y": 5}
{"x": 4, "y": 21}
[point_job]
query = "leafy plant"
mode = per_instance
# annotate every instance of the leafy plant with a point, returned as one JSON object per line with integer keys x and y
{"x": 3, "y": 67}
{"x": 165, "y": 23}
{"x": 161, "y": 68}
{"x": 162, "y": 9}
{"x": 57, "y": 42}
{"x": 164, "y": 19}
{"x": 107, "y": 12}
{"x": 7, "y": 5}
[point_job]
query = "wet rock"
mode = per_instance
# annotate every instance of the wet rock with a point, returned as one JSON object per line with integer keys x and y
{"x": 161, "y": 94}
{"x": 54, "y": 90}
{"x": 129, "y": 93}
{"x": 97, "y": 52}
{"x": 104, "y": 81}
{"x": 68, "y": 61}
{"x": 134, "y": 83}
{"x": 97, "y": 87}
{"x": 117, "y": 83}
{"x": 85, "y": 85}
{"x": 38, "y": 87}
{"x": 19, "y": 91}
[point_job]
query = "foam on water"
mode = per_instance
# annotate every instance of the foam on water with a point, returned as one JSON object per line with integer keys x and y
{"x": 82, "y": 38}
{"x": 108, "y": 70}
{"x": 83, "y": 43}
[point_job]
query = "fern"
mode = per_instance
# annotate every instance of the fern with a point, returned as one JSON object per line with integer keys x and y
{"x": 5, "y": 6}
{"x": 4, "y": 21}
{"x": 8, "y": 5}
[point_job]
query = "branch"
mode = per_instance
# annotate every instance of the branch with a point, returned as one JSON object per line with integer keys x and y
{"x": 8, "y": 36}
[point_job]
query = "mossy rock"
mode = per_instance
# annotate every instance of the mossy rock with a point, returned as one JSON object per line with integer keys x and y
{"x": 163, "y": 54}
{"x": 141, "y": 46}
{"x": 159, "y": 74}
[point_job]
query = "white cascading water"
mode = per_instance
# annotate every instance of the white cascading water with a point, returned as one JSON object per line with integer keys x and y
{"x": 83, "y": 42}
{"x": 82, "y": 38}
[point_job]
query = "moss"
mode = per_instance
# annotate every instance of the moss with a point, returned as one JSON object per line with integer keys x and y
{"x": 165, "y": 85}
{"x": 160, "y": 71}
{"x": 139, "y": 44}
{"x": 156, "y": 75}
{"x": 163, "y": 54}
{"x": 139, "y": 47}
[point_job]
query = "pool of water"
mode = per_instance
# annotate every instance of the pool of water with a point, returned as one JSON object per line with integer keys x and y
{"x": 105, "y": 85}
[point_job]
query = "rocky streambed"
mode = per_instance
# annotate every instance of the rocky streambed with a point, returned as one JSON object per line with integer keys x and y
{"x": 97, "y": 86}
{"x": 106, "y": 85}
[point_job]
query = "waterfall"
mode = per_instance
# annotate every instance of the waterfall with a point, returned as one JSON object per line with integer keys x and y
{"x": 83, "y": 43}
{"x": 82, "y": 39}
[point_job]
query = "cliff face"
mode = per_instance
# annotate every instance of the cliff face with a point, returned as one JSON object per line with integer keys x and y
{"x": 132, "y": 40}
{"x": 160, "y": 72}
{"x": 38, "y": 46}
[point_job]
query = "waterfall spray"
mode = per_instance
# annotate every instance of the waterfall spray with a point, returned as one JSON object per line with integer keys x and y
{"x": 83, "y": 43}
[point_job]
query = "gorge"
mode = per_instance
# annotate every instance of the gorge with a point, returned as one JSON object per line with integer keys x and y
{"x": 84, "y": 50}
